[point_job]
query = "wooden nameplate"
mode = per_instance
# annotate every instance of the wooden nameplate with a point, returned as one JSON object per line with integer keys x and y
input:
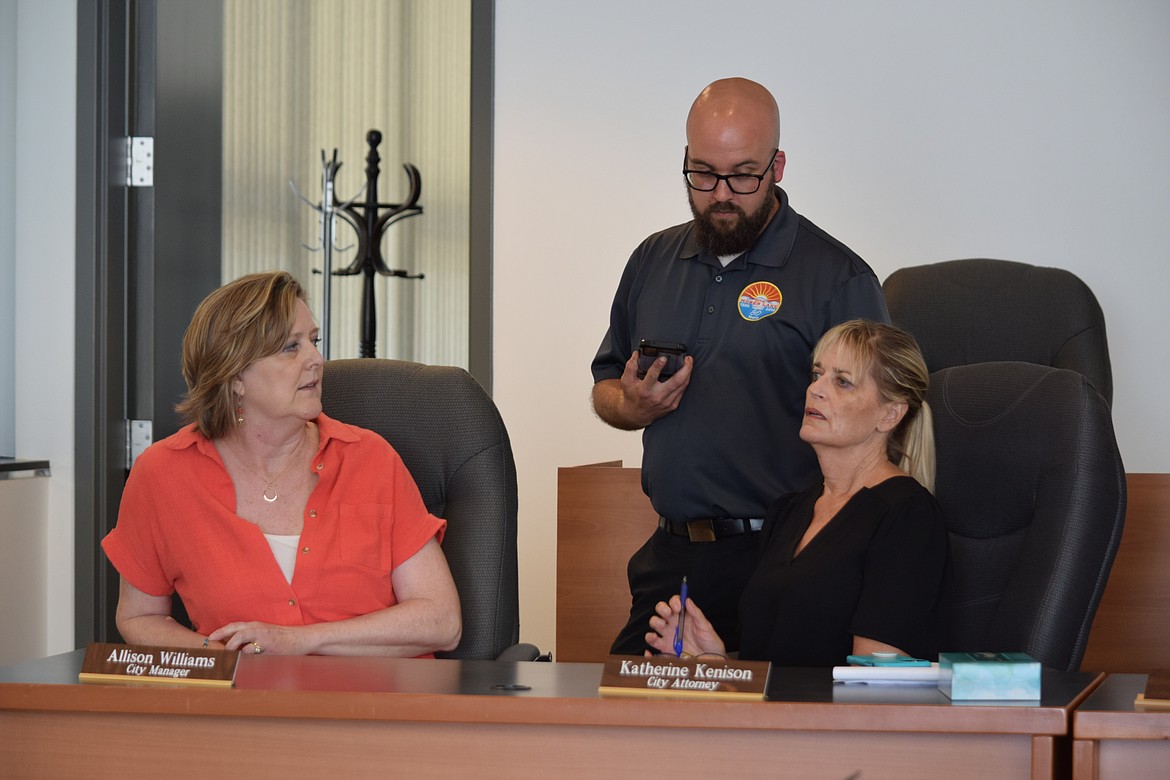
{"x": 716, "y": 679}
{"x": 112, "y": 664}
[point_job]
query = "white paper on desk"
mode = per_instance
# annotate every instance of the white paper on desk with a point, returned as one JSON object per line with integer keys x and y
{"x": 887, "y": 675}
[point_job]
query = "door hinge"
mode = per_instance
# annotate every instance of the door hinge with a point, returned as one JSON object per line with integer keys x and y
{"x": 140, "y": 161}
{"x": 139, "y": 434}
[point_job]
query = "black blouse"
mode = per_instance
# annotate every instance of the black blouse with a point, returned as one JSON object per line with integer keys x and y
{"x": 876, "y": 570}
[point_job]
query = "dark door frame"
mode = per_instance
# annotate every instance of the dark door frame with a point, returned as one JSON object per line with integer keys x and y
{"x": 102, "y": 49}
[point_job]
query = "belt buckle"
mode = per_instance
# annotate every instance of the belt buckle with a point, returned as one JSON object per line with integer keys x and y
{"x": 701, "y": 530}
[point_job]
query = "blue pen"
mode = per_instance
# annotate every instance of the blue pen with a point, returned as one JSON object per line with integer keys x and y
{"x": 682, "y": 616}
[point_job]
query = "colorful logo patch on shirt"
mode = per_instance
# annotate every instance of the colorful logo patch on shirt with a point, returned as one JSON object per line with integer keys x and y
{"x": 759, "y": 300}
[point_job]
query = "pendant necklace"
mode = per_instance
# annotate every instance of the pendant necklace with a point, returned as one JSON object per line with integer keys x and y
{"x": 270, "y": 495}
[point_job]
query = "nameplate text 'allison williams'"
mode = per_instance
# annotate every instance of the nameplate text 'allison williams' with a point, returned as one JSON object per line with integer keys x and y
{"x": 134, "y": 664}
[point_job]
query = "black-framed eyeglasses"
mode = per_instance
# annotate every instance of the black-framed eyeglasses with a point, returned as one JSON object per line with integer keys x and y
{"x": 740, "y": 183}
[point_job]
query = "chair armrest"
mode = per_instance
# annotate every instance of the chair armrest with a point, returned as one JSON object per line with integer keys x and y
{"x": 522, "y": 651}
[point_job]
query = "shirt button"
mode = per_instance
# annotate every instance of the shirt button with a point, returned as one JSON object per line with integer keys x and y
{"x": 320, "y": 466}
{"x": 292, "y": 602}
{"x": 305, "y": 550}
{"x": 312, "y": 513}
{"x": 719, "y": 278}
{"x": 710, "y": 309}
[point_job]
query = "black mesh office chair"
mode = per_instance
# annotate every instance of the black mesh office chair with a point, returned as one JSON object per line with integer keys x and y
{"x": 452, "y": 439}
{"x": 973, "y": 311}
{"x": 1032, "y": 489}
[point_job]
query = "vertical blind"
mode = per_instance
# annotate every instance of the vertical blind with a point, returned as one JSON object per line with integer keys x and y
{"x": 302, "y": 76}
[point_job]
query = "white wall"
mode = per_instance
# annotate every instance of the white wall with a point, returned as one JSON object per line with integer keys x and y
{"x": 44, "y": 176}
{"x": 916, "y": 131}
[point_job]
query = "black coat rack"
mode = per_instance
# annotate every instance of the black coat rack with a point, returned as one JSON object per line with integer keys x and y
{"x": 369, "y": 220}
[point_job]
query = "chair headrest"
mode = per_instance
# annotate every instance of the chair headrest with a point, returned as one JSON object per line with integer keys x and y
{"x": 979, "y": 310}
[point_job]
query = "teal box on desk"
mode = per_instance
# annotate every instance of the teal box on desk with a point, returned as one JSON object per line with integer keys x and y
{"x": 968, "y": 676}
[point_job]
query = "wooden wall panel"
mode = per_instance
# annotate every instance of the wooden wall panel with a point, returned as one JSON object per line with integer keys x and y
{"x": 603, "y": 517}
{"x": 1131, "y": 632}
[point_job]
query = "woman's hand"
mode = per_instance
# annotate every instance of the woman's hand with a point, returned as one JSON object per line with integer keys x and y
{"x": 254, "y": 637}
{"x": 699, "y": 637}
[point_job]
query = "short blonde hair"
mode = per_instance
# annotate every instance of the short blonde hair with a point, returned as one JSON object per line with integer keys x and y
{"x": 892, "y": 358}
{"x": 233, "y": 327}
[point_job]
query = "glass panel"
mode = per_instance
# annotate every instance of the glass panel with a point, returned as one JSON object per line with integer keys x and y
{"x": 302, "y": 76}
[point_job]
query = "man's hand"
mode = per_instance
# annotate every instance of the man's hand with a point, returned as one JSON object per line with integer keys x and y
{"x": 630, "y": 403}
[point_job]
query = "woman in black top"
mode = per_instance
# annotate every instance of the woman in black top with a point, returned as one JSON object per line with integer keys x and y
{"x": 855, "y": 564}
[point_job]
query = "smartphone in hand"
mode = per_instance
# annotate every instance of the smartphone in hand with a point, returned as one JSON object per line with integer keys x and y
{"x": 650, "y": 350}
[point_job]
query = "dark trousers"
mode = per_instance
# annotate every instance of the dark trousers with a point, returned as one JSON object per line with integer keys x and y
{"x": 716, "y": 573}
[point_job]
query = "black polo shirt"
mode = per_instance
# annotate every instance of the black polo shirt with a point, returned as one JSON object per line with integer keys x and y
{"x": 732, "y": 448}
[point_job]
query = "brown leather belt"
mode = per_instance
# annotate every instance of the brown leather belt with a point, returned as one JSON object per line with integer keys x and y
{"x": 708, "y": 529}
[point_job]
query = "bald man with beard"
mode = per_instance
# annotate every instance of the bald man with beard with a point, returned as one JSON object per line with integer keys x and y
{"x": 749, "y": 286}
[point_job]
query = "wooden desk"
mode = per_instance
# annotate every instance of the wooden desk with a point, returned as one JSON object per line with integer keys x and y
{"x": 355, "y": 718}
{"x": 1112, "y": 739}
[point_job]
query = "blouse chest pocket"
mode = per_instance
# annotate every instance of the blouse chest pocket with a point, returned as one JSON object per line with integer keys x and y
{"x": 363, "y": 537}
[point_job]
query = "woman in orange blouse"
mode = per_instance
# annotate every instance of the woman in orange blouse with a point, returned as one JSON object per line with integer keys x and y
{"x": 282, "y": 530}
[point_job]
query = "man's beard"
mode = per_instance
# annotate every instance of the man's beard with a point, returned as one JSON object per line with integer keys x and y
{"x": 721, "y": 240}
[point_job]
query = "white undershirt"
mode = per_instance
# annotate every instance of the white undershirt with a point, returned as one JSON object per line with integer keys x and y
{"x": 725, "y": 259}
{"x": 284, "y": 548}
